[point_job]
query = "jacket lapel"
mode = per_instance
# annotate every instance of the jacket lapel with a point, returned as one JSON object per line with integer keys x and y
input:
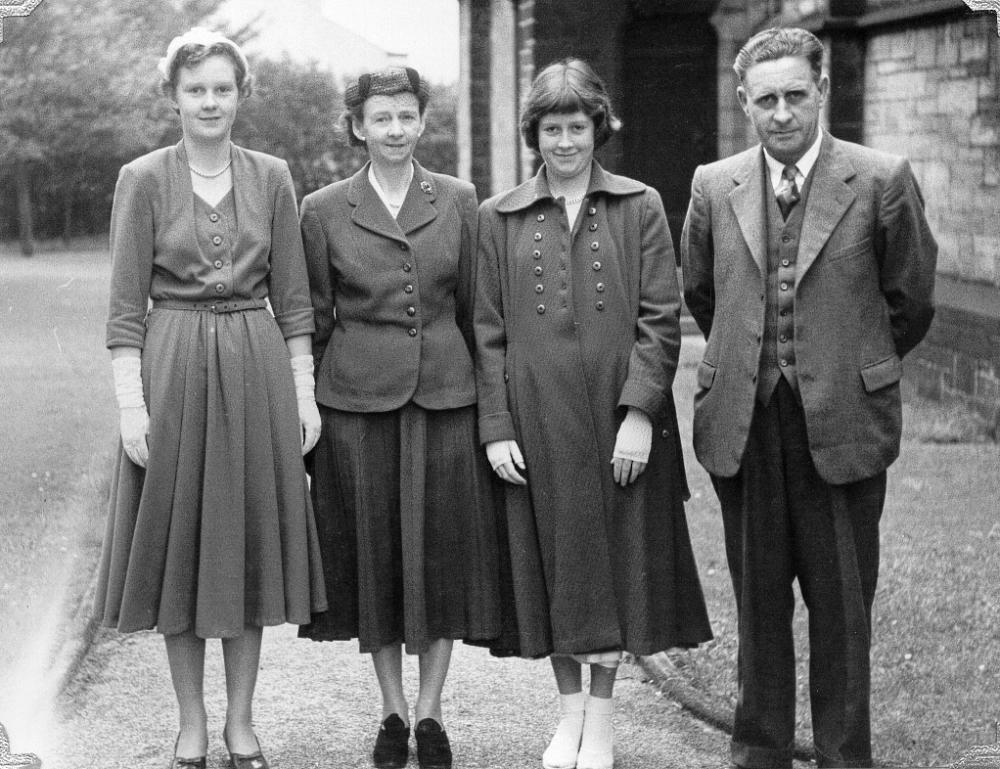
{"x": 369, "y": 210}
{"x": 418, "y": 208}
{"x": 829, "y": 198}
{"x": 749, "y": 207}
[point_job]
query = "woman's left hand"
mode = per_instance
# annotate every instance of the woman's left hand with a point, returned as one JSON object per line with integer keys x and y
{"x": 310, "y": 422}
{"x": 632, "y": 446}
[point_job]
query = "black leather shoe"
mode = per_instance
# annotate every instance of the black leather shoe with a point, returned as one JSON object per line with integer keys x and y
{"x": 186, "y": 763}
{"x": 433, "y": 748}
{"x": 245, "y": 760}
{"x": 392, "y": 744}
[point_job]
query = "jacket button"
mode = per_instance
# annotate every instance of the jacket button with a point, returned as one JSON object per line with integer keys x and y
{"x": 538, "y": 269}
{"x": 403, "y": 247}
{"x": 537, "y": 254}
{"x": 785, "y": 262}
{"x": 408, "y": 288}
{"x": 540, "y": 309}
{"x": 782, "y": 338}
{"x": 506, "y": 377}
{"x": 539, "y": 288}
{"x": 600, "y": 288}
{"x": 664, "y": 433}
{"x": 411, "y": 311}
{"x": 597, "y": 265}
{"x": 538, "y": 236}
{"x": 593, "y": 227}
{"x": 218, "y": 264}
{"x": 592, "y": 211}
{"x": 213, "y": 217}
{"x": 217, "y": 240}
{"x": 407, "y": 266}
{"x": 412, "y": 332}
{"x": 219, "y": 288}
{"x": 600, "y": 305}
{"x": 782, "y": 362}
{"x": 594, "y": 246}
{"x": 784, "y": 286}
{"x": 541, "y": 217}
{"x": 785, "y": 238}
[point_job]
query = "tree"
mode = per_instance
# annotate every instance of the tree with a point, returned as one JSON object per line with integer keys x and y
{"x": 79, "y": 83}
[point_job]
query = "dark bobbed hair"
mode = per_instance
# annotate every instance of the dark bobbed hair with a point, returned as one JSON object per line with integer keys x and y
{"x": 777, "y": 43}
{"x": 192, "y": 54}
{"x": 385, "y": 82}
{"x": 566, "y": 86}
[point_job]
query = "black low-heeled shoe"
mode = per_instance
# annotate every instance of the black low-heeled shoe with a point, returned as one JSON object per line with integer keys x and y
{"x": 392, "y": 744}
{"x": 245, "y": 760}
{"x": 186, "y": 763}
{"x": 433, "y": 747}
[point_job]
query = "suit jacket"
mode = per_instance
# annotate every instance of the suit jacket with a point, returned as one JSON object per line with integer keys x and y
{"x": 155, "y": 252}
{"x": 863, "y": 299}
{"x": 392, "y": 297}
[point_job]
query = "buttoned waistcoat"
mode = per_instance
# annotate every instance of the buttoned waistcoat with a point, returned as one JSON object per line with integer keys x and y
{"x": 864, "y": 279}
{"x": 392, "y": 297}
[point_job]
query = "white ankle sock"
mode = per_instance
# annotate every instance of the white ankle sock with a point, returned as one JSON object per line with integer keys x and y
{"x": 562, "y": 750}
{"x": 597, "y": 743}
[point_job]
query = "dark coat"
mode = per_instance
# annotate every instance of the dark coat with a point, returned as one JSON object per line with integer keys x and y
{"x": 392, "y": 298}
{"x": 864, "y": 281}
{"x": 571, "y": 330}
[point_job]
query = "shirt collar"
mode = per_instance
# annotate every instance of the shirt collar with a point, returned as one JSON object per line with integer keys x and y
{"x": 804, "y": 164}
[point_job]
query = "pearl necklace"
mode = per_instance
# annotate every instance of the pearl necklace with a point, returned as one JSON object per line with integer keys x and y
{"x": 204, "y": 175}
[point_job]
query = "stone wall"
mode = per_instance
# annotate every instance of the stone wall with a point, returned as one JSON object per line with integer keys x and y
{"x": 932, "y": 93}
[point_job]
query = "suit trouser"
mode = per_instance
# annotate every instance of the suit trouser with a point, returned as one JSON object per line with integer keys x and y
{"x": 783, "y": 522}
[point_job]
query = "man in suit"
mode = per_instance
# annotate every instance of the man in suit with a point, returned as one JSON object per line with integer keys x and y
{"x": 809, "y": 267}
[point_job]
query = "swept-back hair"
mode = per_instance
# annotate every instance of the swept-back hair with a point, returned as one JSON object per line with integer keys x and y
{"x": 777, "y": 43}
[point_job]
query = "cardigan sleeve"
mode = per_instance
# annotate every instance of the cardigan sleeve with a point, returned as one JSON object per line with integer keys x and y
{"x": 495, "y": 422}
{"x": 654, "y": 355}
{"x": 288, "y": 287}
{"x": 131, "y": 243}
{"x": 467, "y": 257}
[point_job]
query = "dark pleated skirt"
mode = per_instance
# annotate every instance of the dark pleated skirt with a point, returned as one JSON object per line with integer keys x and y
{"x": 407, "y": 529}
{"x": 217, "y": 532}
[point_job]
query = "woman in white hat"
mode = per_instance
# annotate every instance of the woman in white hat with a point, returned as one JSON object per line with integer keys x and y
{"x": 210, "y": 530}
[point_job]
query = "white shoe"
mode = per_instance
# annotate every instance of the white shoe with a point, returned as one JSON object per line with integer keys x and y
{"x": 597, "y": 742}
{"x": 565, "y": 743}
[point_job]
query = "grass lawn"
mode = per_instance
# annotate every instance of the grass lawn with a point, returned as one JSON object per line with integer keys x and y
{"x": 59, "y": 426}
{"x": 936, "y": 623}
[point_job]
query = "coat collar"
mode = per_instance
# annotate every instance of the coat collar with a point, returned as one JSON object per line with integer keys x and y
{"x": 829, "y": 198}
{"x": 369, "y": 211}
{"x": 537, "y": 188}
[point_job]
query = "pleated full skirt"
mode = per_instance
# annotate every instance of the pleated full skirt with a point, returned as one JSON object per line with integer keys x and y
{"x": 217, "y": 532}
{"x": 407, "y": 528}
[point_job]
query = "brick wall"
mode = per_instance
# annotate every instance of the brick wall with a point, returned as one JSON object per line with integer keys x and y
{"x": 931, "y": 93}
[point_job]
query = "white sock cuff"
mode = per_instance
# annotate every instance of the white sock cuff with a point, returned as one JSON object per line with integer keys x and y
{"x": 600, "y": 706}
{"x": 573, "y": 703}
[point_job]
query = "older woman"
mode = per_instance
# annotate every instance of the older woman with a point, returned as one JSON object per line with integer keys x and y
{"x": 210, "y": 532}
{"x": 402, "y": 494}
{"x": 578, "y": 337}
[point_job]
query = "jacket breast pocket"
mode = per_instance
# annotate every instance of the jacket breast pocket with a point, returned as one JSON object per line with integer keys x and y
{"x": 882, "y": 374}
{"x": 860, "y": 248}
{"x": 706, "y": 375}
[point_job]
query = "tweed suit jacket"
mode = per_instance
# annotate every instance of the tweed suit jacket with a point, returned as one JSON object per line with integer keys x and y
{"x": 864, "y": 279}
{"x": 392, "y": 297}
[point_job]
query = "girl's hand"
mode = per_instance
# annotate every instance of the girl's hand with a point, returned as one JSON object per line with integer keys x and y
{"x": 505, "y": 457}
{"x": 632, "y": 446}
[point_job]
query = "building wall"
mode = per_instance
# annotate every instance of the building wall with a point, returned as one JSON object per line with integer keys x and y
{"x": 932, "y": 92}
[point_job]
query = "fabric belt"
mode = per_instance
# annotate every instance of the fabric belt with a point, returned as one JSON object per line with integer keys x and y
{"x": 229, "y": 305}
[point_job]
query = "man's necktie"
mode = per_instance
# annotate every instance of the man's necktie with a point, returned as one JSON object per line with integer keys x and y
{"x": 788, "y": 191}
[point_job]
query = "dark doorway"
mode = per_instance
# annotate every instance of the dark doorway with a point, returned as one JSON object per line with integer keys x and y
{"x": 670, "y": 106}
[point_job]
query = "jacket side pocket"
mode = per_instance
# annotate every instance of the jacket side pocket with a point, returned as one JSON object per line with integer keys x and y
{"x": 882, "y": 374}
